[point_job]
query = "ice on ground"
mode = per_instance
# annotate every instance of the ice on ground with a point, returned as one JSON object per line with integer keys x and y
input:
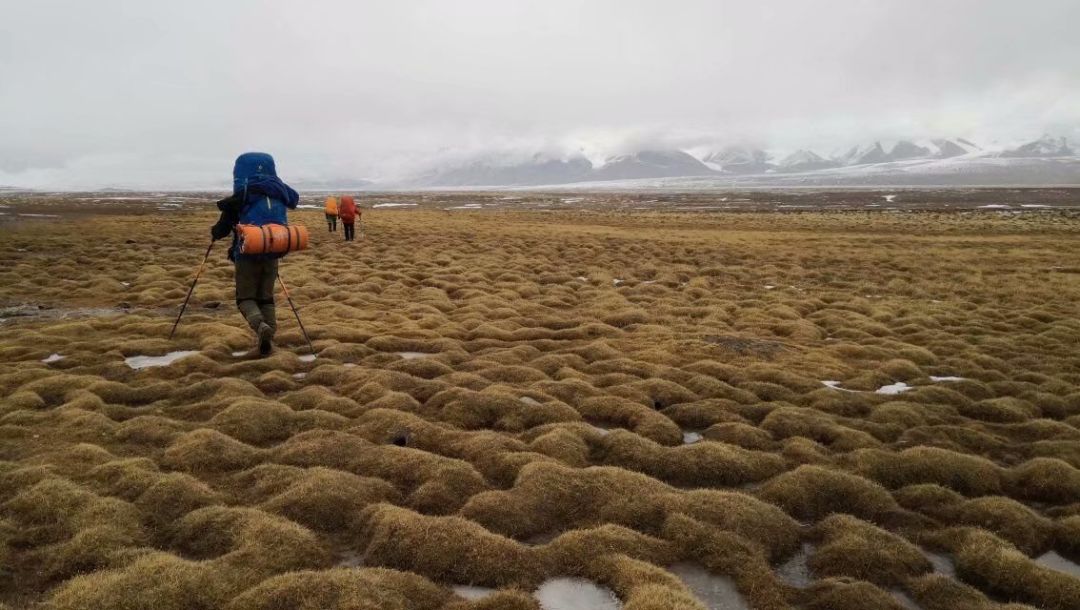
{"x": 142, "y": 362}
{"x": 125, "y": 284}
{"x": 942, "y": 564}
{"x": 715, "y": 592}
{"x": 1034, "y": 205}
{"x": 1056, "y": 562}
{"x": 830, "y": 383}
{"x": 40, "y": 215}
{"x": 945, "y": 379}
{"x": 392, "y": 205}
{"x": 350, "y": 559}
{"x": 769, "y": 286}
{"x": 573, "y": 199}
{"x": 897, "y": 388}
{"x": 52, "y": 358}
{"x": 616, "y": 281}
{"x": 575, "y": 594}
{"x": 471, "y": 592}
{"x": 889, "y": 198}
{"x": 307, "y": 358}
{"x": 239, "y": 353}
{"x": 905, "y": 600}
{"x": 467, "y": 206}
{"x": 412, "y": 355}
{"x": 308, "y": 206}
{"x": 299, "y": 375}
{"x": 582, "y": 278}
{"x": 995, "y": 206}
{"x": 796, "y": 571}
{"x": 689, "y": 438}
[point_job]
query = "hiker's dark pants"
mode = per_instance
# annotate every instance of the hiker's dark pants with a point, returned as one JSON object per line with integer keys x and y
{"x": 331, "y": 222}
{"x": 350, "y": 230}
{"x": 255, "y": 281}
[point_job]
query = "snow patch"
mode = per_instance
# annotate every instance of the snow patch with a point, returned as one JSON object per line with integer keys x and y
{"x": 689, "y": 438}
{"x": 897, "y": 388}
{"x": 471, "y": 592}
{"x": 52, "y": 358}
{"x": 142, "y": 362}
{"x": 239, "y": 353}
{"x": 413, "y": 355}
{"x": 995, "y": 206}
{"x": 715, "y": 592}
{"x": 889, "y": 198}
{"x": 1056, "y": 562}
{"x": 307, "y": 358}
{"x": 530, "y": 400}
{"x": 393, "y": 205}
{"x": 946, "y": 379}
{"x": 575, "y": 594}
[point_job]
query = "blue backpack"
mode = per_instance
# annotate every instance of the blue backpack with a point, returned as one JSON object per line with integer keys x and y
{"x": 266, "y": 198}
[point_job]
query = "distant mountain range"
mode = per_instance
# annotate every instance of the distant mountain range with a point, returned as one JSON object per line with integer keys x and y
{"x": 1048, "y": 160}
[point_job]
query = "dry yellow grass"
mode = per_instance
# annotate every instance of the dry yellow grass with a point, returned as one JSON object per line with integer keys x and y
{"x": 503, "y": 397}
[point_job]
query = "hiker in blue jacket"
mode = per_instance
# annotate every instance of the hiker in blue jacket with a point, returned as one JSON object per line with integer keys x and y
{"x": 259, "y": 197}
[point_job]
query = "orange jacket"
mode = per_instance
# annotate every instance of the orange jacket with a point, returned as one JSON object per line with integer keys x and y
{"x": 347, "y": 209}
{"x": 331, "y": 206}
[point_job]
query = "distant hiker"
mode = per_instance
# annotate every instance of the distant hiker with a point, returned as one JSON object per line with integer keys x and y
{"x": 348, "y": 212}
{"x": 259, "y": 198}
{"x": 331, "y": 213}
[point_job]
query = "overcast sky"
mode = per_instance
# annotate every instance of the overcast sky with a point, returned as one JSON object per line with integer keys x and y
{"x": 157, "y": 93}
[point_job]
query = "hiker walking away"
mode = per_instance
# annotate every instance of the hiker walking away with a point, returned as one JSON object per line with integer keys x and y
{"x": 259, "y": 198}
{"x": 348, "y": 212}
{"x": 331, "y": 213}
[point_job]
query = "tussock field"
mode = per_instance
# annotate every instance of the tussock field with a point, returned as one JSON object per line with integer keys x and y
{"x": 675, "y": 410}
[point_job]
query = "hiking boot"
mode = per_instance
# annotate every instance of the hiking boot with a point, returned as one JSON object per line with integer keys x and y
{"x": 266, "y": 336}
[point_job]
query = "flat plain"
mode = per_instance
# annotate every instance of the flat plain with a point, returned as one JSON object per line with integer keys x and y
{"x": 819, "y": 400}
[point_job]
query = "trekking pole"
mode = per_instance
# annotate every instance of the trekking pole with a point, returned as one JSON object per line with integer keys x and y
{"x": 191, "y": 290}
{"x": 297, "y": 314}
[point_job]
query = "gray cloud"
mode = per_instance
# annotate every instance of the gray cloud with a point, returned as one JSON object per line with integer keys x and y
{"x": 167, "y": 93}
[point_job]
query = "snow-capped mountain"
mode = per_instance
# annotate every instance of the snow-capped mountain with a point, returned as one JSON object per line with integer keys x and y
{"x": 863, "y": 154}
{"x": 804, "y": 161}
{"x": 1045, "y": 146}
{"x": 491, "y": 172}
{"x": 739, "y": 160}
{"x": 650, "y": 164}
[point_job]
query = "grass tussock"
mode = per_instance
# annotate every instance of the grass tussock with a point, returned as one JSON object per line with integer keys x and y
{"x": 523, "y": 401}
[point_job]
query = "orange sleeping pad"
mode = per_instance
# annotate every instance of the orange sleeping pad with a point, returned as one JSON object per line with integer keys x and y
{"x": 272, "y": 239}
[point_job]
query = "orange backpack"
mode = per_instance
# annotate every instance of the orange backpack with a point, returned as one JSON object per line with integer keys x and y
{"x": 271, "y": 238}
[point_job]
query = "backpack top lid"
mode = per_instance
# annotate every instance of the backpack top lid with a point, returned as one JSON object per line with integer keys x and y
{"x": 250, "y": 167}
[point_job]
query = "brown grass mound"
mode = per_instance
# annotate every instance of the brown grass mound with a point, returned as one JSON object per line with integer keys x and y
{"x": 448, "y": 549}
{"x": 996, "y": 566}
{"x": 854, "y": 548}
{"x": 343, "y": 589}
{"x": 966, "y": 474}
{"x": 812, "y": 492}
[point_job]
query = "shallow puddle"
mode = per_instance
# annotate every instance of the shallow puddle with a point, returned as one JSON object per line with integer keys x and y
{"x": 142, "y": 362}
{"x": 1056, "y": 562}
{"x": 795, "y": 571}
{"x": 715, "y": 592}
{"x": 905, "y": 600}
{"x": 307, "y": 358}
{"x": 350, "y": 559}
{"x": 575, "y": 594}
{"x": 471, "y": 592}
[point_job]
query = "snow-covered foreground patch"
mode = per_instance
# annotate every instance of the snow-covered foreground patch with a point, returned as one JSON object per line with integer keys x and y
{"x": 896, "y": 388}
{"x": 689, "y": 438}
{"x": 471, "y": 592}
{"x": 52, "y": 358}
{"x": 715, "y": 592}
{"x": 1056, "y": 562}
{"x": 142, "y": 362}
{"x": 575, "y": 594}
